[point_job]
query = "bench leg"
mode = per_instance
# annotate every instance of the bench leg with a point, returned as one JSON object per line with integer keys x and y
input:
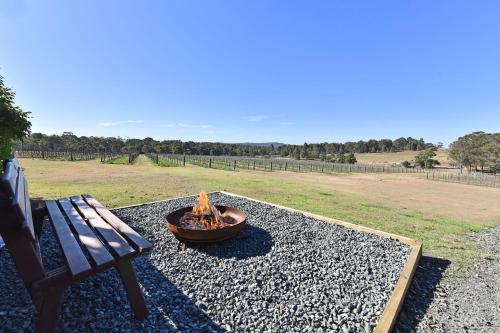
{"x": 134, "y": 292}
{"x": 49, "y": 311}
{"x": 38, "y": 214}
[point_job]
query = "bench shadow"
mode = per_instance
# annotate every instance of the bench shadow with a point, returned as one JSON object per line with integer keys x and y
{"x": 170, "y": 309}
{"x": 100, "y": 303}
{"x": 420, "y": 295}
{"x": 252, "y": 241}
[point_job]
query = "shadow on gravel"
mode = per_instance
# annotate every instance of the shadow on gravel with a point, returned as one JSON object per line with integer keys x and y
{"x": 251, "y": 242}
{"x": 99, "y": 303}
{"x": 420, "y": 295}
{"x": 170, "y": 309}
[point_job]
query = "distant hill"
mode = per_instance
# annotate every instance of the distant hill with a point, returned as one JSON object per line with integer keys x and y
{"x": 263, "y": 144}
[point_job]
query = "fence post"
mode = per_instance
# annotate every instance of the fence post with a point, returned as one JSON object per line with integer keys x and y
{"x": 210, "y": 163}
{"x": 271, "y": 166}
{"x": 184, "y": 161}
{"x": 234, "y": 165}
{"x": 286, "y": 164}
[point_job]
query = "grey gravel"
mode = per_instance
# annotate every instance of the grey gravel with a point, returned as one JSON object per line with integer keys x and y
{"x": 444, "y": 297}
{"x": 285, "y": 272}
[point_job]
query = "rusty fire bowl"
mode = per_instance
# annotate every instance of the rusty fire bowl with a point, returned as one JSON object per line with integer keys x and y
{"x": 210, "y": 235}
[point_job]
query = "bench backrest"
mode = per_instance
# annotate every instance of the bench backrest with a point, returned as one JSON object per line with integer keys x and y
{"x": 16, "y": 223}
{"x": 14, "y": 189}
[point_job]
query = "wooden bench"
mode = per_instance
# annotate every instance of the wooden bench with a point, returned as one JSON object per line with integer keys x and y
{"x": 91, "y": 238}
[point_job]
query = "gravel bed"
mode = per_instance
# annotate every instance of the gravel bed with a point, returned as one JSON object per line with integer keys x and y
{"x": 285, "y": 272}
{"x": 444, "y": 297}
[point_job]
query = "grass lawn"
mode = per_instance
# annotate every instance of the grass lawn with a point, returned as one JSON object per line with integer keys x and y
{"x": 438, "y": 213}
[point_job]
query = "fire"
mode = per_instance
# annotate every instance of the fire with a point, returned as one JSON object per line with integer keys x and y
{"x": 206, "y": 213}
{"x": 203, "y": 206}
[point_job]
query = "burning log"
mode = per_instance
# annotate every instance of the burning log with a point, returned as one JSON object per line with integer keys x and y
{"x": 216, "y": 214}
{"x": 204, "y": 215}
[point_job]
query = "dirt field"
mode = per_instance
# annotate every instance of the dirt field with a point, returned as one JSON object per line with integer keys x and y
{"x": 396, "y": 158}
{"x": 458, "y": 201}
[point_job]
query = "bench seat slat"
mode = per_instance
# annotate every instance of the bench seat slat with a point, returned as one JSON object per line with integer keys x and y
{"x": 136, "y": 240}
{"x": 21, "y": 203}
{"x": 75, "y": 258}
{"x": 117, "y": 243}
{"x": 98, "y": 252}
{"x": 27, "y": 224}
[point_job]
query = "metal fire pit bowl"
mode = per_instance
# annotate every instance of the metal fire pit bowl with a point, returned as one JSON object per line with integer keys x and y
{"x": 207, "y": 235}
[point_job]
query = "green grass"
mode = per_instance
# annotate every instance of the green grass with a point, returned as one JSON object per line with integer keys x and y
{"x": 166, "y": 163}
{"x": 118, "y": 185}
{"x": 119, "y": 160}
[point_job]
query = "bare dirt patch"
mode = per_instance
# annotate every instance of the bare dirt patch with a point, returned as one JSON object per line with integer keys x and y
{"x": 459, "y": 201}
{"x": 396, "y": 158}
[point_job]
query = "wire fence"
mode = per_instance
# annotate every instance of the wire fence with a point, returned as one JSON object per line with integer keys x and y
{"x": 167, "y": 160}
{"x": 471, "y": 178}
{"x": 119, "y": 158}
{"x": 73, "y": 156}
{"x": 279, "y": 164}
{"x": 106, "y": 157}
{"x": 58, "y": 155}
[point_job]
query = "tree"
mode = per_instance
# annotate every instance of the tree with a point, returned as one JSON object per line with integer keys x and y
{"x": 425, "y": 158}
{"x": 351, "y": 159}
{"x": 385, "y": 145}
{"x": 477, "y": 149}
{"x": 373, "y": 146}
{"x": 340, "y": 158}
{"x": 400, "y": 144}
{"x": 14, "y": 122}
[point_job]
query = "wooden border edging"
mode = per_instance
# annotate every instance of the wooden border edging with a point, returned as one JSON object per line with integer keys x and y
{"x": 396, "y": 301}
{"x": 394, "y": 304}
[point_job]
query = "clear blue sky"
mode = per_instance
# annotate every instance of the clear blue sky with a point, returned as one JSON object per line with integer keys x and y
{"x": 235, "y": 71}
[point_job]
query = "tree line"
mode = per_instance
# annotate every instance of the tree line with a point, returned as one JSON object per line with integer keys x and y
{"x": 324, "y": 151}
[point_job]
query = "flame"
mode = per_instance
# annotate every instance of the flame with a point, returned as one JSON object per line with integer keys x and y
{"x": 203, "y": 207}
{"x": 204, "y": 212}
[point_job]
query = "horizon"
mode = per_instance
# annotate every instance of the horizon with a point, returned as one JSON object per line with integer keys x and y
{"x": 251, "y": 72}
